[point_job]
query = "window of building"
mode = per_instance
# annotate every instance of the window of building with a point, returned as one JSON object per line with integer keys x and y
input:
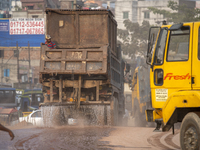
{"x": 1, "y": 53}
{"x": 16, "y": 52}
{"x": 164, "y": 16}
{"x": 24, "y": 78}
{"x": 146, "y": 14}
{"x": 125, "y": 15}
{"x": 6, "y": 72}
{"x": 30, "y": 7}
{"x": 35, "y": 16}
{"x": 36, "y": 80}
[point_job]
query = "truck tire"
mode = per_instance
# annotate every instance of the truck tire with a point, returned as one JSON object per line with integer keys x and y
{"x": 190, "y": 132}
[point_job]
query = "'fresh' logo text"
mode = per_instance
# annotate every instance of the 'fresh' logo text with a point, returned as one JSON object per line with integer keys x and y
{"x": 177, "y": 77}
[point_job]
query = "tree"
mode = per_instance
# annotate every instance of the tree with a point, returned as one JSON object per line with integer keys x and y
{"x": 17, "y": 8}
{"x": 179, "y": 13}
{"x": 134, "y": 38}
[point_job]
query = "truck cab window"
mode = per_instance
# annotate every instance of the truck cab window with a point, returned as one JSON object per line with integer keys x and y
{"x": 199, "y": 45}
{"x": 178, "y": 49}
{"x": 160, "y": 48}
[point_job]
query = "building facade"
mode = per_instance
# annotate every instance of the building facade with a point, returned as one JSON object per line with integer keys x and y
{"x": 14, "y": 67}
{"x": 5, "y": 5}
{"x": 137, "y": 11}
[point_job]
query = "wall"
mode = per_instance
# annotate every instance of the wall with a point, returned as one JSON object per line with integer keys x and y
{"x": 155, "y": 19}
{"x": 16, "y": 3}
{"x": 19, "y": 14}
{"x": 5, "y": 5}
{"x": 136, "y": 11}
{"x": 120, "y": 7}
{"x": 9, "y": 61}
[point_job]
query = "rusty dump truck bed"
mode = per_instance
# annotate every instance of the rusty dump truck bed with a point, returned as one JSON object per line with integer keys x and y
{"x": 82, "y": 28}
{"x": 86, "y": 44}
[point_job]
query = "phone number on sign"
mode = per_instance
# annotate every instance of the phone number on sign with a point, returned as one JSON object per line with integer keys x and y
{"x": 27, "y": 31}
{"x": 22, "y": 24}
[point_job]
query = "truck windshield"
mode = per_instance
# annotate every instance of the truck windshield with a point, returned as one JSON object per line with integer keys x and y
{"x": 178, "y": 49}
{"x": 160, "y": 47}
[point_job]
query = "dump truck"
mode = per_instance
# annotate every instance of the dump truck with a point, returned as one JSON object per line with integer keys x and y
{"x": 174, "y": 59}
{"x": 83, "y": 76}
{"x": 140, "y": 87}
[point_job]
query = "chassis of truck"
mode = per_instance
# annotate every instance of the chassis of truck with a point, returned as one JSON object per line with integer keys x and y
{"x": 83, "y": 76}
{"x": 175, "y": 81}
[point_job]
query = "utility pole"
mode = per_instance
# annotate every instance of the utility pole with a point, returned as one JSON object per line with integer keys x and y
{"x": 1, "y": 67}
{"x": 17, "y": 63}
{"x": 29, "y": 67}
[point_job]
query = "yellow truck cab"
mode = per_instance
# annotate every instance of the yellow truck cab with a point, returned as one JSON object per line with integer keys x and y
{"x": 174, "y": 59}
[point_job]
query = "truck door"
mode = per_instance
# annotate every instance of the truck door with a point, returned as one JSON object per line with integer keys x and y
{"x": 171, "y": 68}
{"x": 196, "y": 57}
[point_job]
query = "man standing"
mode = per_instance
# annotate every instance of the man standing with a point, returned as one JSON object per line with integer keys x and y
{"x": 7, "y": 130}
{"x": 49, "y": 43}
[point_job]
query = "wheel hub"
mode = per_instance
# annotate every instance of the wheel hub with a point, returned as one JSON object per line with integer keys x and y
{"x": 190, "y": 138}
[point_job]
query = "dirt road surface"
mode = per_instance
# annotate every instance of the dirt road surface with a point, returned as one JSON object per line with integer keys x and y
{"x": 89, "y": 138}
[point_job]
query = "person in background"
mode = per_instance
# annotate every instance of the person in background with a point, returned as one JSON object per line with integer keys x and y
{"x": 49, "y": 43}
{"x": 7, "y": 130}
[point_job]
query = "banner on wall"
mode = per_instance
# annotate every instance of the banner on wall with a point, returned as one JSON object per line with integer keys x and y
{"x": 22, "y": 31}
{"x": 4, "y": 26}
{"x": 26, "y": 26}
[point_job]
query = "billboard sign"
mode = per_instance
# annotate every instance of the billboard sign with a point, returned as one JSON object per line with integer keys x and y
{"x": 4, "y": 26}
{"x": 26, "y": 26}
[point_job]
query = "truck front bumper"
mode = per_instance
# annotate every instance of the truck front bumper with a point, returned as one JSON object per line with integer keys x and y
{"x": 153, "y": 114}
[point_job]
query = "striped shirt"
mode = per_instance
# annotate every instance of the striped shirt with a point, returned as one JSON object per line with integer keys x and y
{"x": 50, "y": 45}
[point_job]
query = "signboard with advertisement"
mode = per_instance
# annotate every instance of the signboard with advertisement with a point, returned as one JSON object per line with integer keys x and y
{"x": 26, "y": 26}
{"x": 4, "y": 26}
{"x": 22, "y": 31}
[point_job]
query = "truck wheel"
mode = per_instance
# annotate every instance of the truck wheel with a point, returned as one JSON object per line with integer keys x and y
{"x": 190, "y": 132}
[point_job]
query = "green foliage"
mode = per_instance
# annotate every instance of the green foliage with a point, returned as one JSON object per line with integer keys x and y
{"x": 134, "y": 38}
{"x": 40, "y": 6}
{"x": 179, "y": 13}
{"x": 17, "y": 8}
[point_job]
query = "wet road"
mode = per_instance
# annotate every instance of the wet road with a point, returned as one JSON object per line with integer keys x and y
{"x": 86, "y": 138}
